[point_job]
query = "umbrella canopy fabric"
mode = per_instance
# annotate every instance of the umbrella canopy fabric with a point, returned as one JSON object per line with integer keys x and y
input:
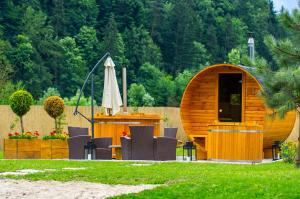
{"x": 111, "y": 98}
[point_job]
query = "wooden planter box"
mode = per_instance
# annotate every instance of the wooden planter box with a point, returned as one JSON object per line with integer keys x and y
{"x": 54, "y": 149}
{"x": 35, "y": 149}
{"x": 22, "y": 149}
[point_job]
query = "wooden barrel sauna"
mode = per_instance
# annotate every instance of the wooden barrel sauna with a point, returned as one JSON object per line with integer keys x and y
{"x": 224, "y": 98}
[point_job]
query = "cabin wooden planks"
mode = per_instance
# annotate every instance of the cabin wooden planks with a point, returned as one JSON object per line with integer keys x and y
{"x": 235, "y": 142}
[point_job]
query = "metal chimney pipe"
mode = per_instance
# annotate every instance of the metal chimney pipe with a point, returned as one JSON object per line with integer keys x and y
{"x": 124, "y": 78}
{"x": 251, "y": 47}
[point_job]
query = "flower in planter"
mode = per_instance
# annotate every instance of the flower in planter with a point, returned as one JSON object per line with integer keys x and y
{"x": 124, "y": 133}
{"x": 65, "y": 133}
{"x": 26, "y": 135}
{"x": 54, "y": 135}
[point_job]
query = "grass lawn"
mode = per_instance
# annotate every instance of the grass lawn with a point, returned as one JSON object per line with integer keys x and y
{"x": 178, "y": 180}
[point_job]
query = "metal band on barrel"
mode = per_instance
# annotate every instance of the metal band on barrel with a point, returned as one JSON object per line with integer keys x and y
{"x": 117, "y": 123}
{"x": 234, "y": 131}
{"x": 135, "y": 123}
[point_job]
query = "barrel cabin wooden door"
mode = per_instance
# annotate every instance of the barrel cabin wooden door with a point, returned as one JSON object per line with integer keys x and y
{"x": 230, "y": 97}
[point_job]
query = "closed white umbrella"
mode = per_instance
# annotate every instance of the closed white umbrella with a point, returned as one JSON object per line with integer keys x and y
{"x": 111, "y": 99}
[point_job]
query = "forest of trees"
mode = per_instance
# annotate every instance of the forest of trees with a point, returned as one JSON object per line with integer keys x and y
{"x": 54, "y": 43}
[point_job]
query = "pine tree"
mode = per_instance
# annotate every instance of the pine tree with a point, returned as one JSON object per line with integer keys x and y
{"x": 90, "y": 50}
{"x": 40, "y": 34}
{"x": 35, "y": 76}
{"x": 72, "y": 69}
{"x": 157, "y": 16}
{"x": 5, "y": 65}
{"x": 282, "y": 87}
{"x": 88, "y": 45}
{"x": 80, "y": 13}
{"x": 57, "y": 17}
{"x": 186, "y": 27}
{"x": 140, "y": 49}
{"x": 126, "y": 12}
{"x": 34, "y": 26}
{"x": 113, "y": 42}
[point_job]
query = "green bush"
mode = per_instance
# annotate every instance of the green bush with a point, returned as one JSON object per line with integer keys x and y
{"x": 54, "y": 106}
{"x": 148, "y": 100}
{"x": 7, "y": 90}
{"x": 138, "y": 96}
{"x": 84, "y": 101}
{"x": 288, "y": 151}
{"x": 20, "y": 102}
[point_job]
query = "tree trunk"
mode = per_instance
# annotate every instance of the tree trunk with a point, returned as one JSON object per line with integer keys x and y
{"x": 55, "y": 121}
{"x": 297, "y": 162}
{"x": 22, "y": 126}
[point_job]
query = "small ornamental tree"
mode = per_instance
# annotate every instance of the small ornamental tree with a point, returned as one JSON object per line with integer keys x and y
{"x": 54, "y": 106}
{"x": 20, "y": 102}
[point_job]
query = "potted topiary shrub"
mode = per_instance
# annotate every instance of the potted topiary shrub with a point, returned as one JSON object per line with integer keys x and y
{"x": 21, "y": 145}
{"x": 54, "y": 106}
{"x": 20, "y": 102}
{"x": 55, "y": 145}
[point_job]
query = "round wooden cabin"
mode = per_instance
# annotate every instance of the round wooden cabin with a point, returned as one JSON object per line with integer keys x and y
{"x": 223, "y": 114}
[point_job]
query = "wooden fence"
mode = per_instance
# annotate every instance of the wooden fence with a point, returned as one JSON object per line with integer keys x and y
{"x": 38, "y": 119}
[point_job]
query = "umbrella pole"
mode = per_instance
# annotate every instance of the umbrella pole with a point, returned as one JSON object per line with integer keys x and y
{"x": 90, "y": 145}
{"x": 92, "y": 105}
{"x": 92, "y": 118}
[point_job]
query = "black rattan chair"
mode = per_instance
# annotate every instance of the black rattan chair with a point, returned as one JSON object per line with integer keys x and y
{"x": 103, "y": 151}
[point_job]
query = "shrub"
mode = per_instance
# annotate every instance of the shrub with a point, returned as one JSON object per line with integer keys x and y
{"x": 84, "y": 101}
{"x": 54, "y": 106}
{"x": 20, "y": 102}
{"x": 135, "y": 94}
{"x": 49, "y": 92}
{"x": 139, "y": 97}
{"x": 7, "y": 90}
{"x": 288, "y": 151}
{"x": 148, "y": 100}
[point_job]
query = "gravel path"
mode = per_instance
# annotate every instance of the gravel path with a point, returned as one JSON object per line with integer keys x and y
{"x": 16, "y": 189}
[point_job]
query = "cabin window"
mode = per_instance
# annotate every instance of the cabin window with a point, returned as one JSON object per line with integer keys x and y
{"x": 230, "y": 97}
